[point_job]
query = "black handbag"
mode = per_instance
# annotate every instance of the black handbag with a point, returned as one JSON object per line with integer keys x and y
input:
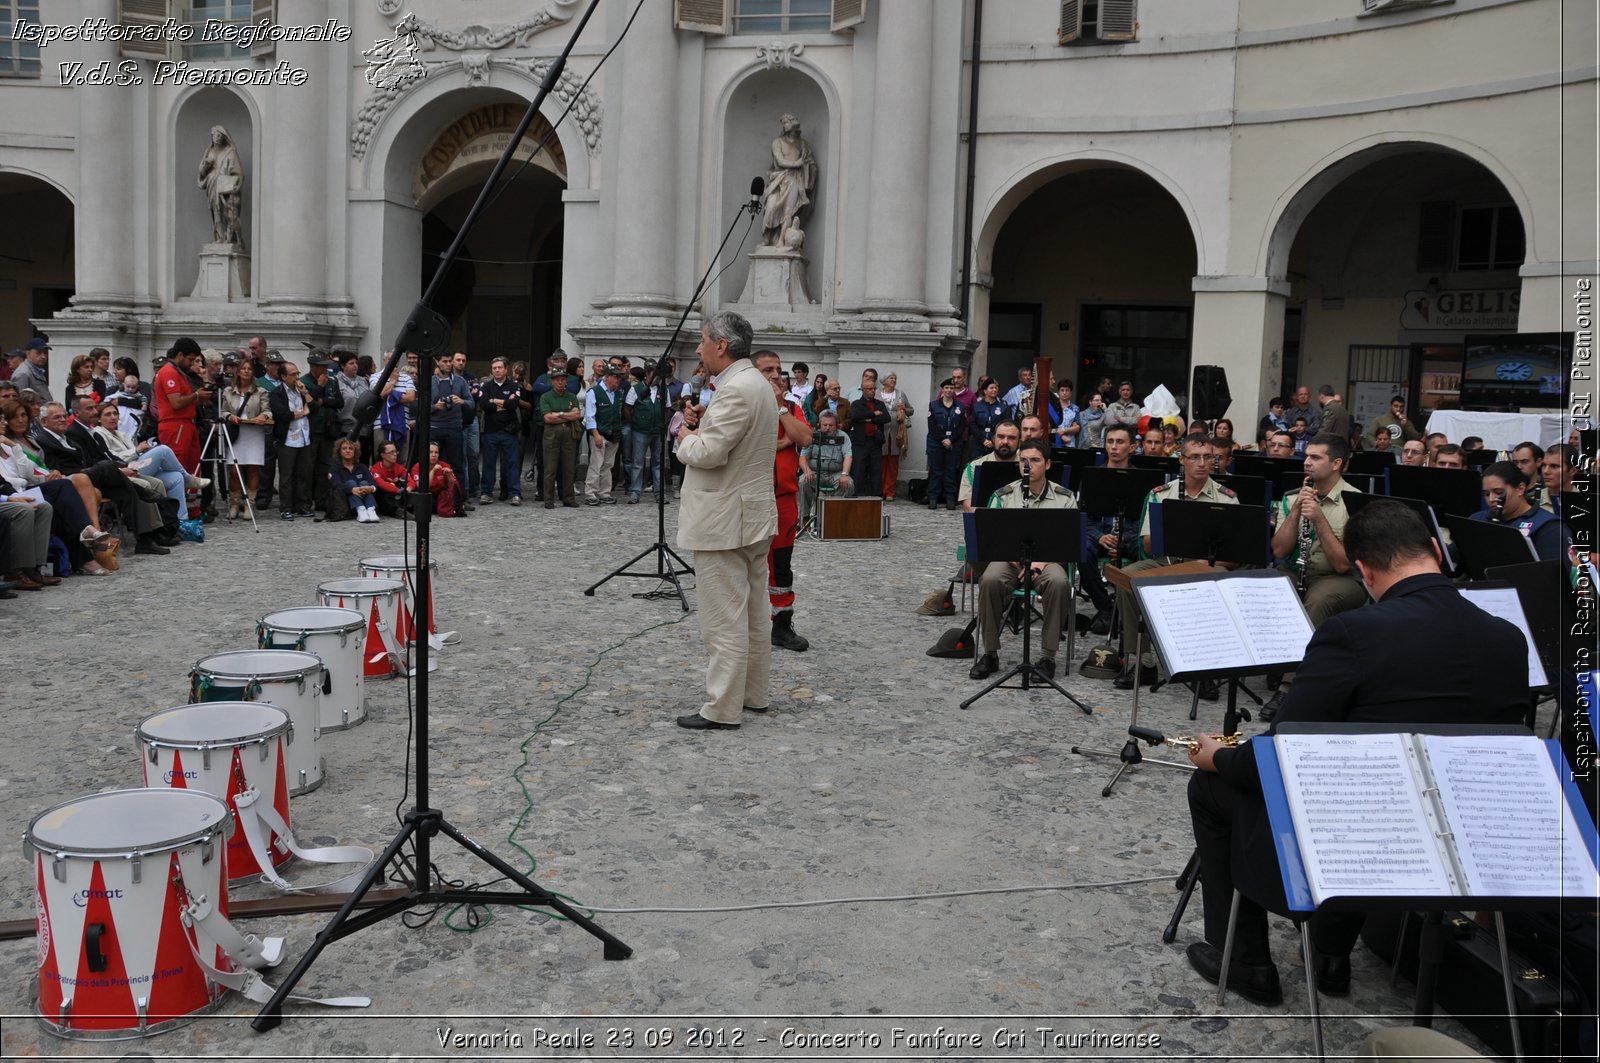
{"x": 233, "y": 427}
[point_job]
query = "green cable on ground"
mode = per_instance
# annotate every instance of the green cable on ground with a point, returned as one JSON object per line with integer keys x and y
{"x": 476, "y": 924}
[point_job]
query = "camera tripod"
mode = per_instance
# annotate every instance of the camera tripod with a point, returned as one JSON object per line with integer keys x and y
{"x": 218, "y": 452}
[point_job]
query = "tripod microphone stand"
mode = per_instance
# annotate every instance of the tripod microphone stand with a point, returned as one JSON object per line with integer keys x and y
{"x": 426, "y": 332}
{"x": 669, "y": 566}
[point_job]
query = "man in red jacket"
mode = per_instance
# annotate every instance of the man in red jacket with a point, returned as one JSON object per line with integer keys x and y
{"x": 794, "y": 435}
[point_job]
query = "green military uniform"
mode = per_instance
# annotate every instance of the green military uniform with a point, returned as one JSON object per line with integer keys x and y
{"x": 1328, "y": 593}
{"x": 969, "y": 477}
{"x": 560, "y": 446}
{"x": 1127, "y": 604}
{"x": 1000, "y": 578}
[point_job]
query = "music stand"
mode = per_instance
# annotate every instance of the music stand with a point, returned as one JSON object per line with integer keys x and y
{"x": 1357, "y": 502}
{"x": 992, "y": 475}
{"x": 1247, "y": 464}
{"x": 1150, "y": 461}
{"x": 1214, "y": 532}
{"x": 1077, "y": 459}
{"x": 1368, "y": 484}
{"x": 1370, "y": 462}
{"x": 1477, "y": 459}
{"x": 1483, "y": 544}
{"x": 1030, "y": 535}
{"x": 1252, "y": 490}
{"x": 1541, "y": 585}
{"x": 1108, "y": 492}
{"x": 1457, "y": 491}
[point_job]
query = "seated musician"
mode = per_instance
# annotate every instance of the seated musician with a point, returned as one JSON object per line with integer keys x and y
{"x": 1359, "y": 667}
{"x": 1036, "y": 490}
{"x": 1450, "y": 456}
{"x": 1099, "y": 540}
{"x": 1195, "y": 483}
{"x": 1330, "y": 587}
{"x": 1006, "y": 437}
{"x": 824, "y": 465}
{"x": 1279, "y": 445}
{"x": 1505, "y": 492}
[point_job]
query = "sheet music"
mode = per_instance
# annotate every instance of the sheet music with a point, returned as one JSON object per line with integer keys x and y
{"x": 1514, "y": 832}
{"x": 1505, "y": 603}
{"x": 1274, "y": 623}
{"x": 1359, "y": 816}
{"x": 1187, "y": 619}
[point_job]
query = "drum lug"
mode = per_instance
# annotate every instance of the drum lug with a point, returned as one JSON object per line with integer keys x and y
{"x": 142, "y": 1005}
{"x": 205, "y": 757}
{"x": 300, "y": 685}
{"x": 290, "y": 740}
{"x": 327, "y": 682}
{"x": 207, "y": 849}
{"x": 261, "y": 750}
{"x": 96, "y": 955}
{"x": 64, "y": 1020}
{"x": 137, "y": 859}
{"x": 152, "y": 752}
{"x": 59, "y": 868}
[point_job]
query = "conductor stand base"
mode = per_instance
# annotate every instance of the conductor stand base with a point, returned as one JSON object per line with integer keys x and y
{"x": 420, "y": 827}
{"x": 669, "y": 566}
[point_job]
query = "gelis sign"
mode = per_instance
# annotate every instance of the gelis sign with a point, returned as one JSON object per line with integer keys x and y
{"x": 1470, "y": 309}
{"x": 481, "y": 136}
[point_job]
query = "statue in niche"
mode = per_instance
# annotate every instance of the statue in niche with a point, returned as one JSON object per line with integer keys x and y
{"x": 791, "y": 184}
{"x": 222, "y": 179}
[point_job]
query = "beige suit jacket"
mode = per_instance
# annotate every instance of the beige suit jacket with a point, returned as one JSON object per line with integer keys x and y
{"x": 728, "y": 501}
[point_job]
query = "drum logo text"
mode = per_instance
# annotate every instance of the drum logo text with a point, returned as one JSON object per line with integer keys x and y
{"x": 169, "y": 776}
{"x": 83, "y": 897}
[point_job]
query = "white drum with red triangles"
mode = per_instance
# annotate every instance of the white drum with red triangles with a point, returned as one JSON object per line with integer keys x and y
{"x": 113, "y": 873}
{"x": 381, "y": 603}
{"x": 336, "y": 635}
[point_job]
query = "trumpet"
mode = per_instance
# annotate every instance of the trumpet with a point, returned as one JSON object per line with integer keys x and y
{"x": 1150, "y": 736}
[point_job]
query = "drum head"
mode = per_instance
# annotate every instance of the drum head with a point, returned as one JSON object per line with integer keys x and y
{"x": 394, "y": 563}
{"x": 124, "y": 821}
{"x": 259, "y": 664}
{"x": 213, "y": 723}
{"x": 368, "y": 585}
{"x": 315, "y": 618}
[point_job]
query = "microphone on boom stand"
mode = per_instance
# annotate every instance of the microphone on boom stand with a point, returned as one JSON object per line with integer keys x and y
{"x": 757, "y": 187}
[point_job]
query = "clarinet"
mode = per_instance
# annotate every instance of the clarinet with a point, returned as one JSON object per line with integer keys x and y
{"x": 1303, "y": 543}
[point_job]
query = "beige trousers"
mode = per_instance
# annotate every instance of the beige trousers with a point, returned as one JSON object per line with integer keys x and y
{"x": 736, "y": 626}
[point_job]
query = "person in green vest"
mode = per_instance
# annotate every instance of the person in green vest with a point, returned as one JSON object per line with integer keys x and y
{"x": 642, "y": 411}
{"x": 602, "y": 418}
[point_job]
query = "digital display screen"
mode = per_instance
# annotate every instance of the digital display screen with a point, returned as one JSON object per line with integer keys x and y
{"x": 1527, "y": 369}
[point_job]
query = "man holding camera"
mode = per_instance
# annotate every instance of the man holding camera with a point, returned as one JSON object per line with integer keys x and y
{"x": 445, "y": 424}
{"x": 176, "y": 403}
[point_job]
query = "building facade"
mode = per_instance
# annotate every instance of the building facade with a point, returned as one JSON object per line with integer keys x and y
{"x": 1299, "y": 191}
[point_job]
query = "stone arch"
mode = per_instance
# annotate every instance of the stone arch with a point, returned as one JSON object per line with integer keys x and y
{"x": 1040, "y": 172}
{"x": 1298, "y": 201}
{"x": 788, "y": 79}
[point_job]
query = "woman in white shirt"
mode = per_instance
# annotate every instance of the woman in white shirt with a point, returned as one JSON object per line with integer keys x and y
{"x": 155, "y": 463}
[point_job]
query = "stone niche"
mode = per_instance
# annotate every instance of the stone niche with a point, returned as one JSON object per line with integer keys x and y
{"x": 203, "y": 270}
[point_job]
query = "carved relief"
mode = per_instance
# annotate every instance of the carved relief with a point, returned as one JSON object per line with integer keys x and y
{"x": 777, "y": 54}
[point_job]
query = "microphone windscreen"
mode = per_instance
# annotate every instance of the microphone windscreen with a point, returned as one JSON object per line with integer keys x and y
{"x": 757, "y": 186}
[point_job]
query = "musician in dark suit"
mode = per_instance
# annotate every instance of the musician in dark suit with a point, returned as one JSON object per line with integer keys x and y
{"x": 1360, "y": 667}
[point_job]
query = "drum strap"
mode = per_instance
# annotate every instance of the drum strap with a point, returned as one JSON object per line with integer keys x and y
{"x": 264, "y": 639}
{"x": 257, "y": 818}
{"x": 205, "y": 688}
{"x": 212, "y": 930}
{"x": 391, "y": 647}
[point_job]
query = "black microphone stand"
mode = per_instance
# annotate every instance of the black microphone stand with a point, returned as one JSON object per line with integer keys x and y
{"x": 669, "y": 566}
{"x": 427, "y": 333}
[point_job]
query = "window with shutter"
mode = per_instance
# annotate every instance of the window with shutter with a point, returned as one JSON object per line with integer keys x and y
{"x": 847, "y": 13}
{"x": 145, "y": 14}
{"x": 264, "y": 10}
{"x": 701, "y": 16}
{"x": 18, "y": 58}
{"x": 1098, "y": 21}
{"x": 232, "y": 14}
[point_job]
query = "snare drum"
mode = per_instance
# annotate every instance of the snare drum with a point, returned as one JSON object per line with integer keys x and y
{"x": 290, "y": 679}
{"x": 223, "y": 748}
{"x": 379, "y": 601}
{"x": 335, "y": 635}
{"x": 400, "y": 567}
{"x": 113, "y": 872}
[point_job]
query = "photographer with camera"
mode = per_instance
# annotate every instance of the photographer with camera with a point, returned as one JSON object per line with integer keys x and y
{"x": 500, "y": 403}
{"x": 178, "y": 401}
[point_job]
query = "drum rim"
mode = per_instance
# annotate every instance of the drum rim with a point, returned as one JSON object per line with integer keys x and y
{"x": 322, "y": 588}
{"x": 295, "y": 673}
{"x": 223, "y": 826}
{"x": 381, "y": 562}
{"x": 128, "y": 1033}
{"x": 356, "y": 623}
{"x": 256, "y": 738}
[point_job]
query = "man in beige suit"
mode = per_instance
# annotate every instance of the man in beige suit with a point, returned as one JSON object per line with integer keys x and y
{"x": 727, "y": 519}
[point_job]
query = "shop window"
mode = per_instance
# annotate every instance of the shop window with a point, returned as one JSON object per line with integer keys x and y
{"x": 18, "y": 58}
{"x": 1146, "y": 344}
{"x": 1097, "y": 21}
{"x": 768, "y": 16}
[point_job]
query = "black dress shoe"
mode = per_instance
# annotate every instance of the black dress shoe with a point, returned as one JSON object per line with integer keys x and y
{"x": 985, "y": 666}
{"x": 1046, "y": 667}
{"x": 1209, "y": 691}
{"x": 1147, "y": 676}
{"x": 1269, "y": 712}
{"x": 1101, "y": 624}
{"x": 147, "y": 545}
{"x": 1333, "y": 975}
{"x": 1256, "y": 982}
{"x": 696, "y": 722}
{"x": 7, "y": 594}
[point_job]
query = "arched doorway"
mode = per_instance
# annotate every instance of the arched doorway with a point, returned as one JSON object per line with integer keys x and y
{"x": 503, "y": 298}
{"x": 1094, "y": 270}
{"x": 1404, "y": 251}
{"x": 38, "y": 254}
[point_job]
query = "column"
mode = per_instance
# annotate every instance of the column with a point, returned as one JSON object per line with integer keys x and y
{"x": 108, "y": 152}
{"x": 897, "y": 242}
{"x": 1238, "y": 324}
{"x": 642, "y": 169}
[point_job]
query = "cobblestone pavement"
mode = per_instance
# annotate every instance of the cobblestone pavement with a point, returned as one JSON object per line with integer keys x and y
{"x": 865, "y": 782}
